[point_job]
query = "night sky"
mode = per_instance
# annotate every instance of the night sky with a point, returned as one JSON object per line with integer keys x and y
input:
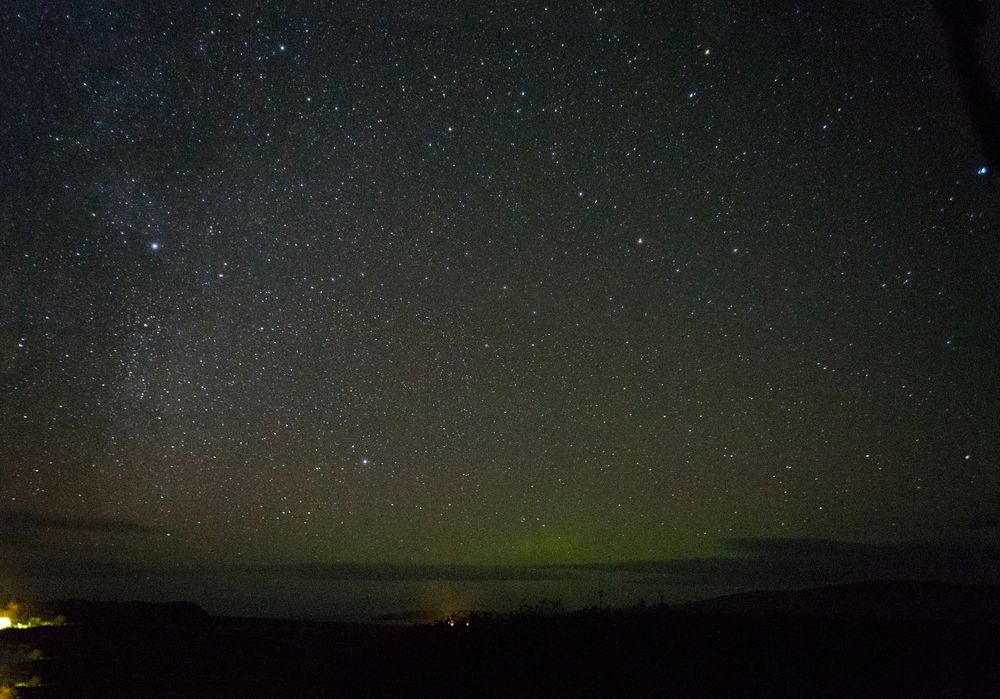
{"x": 351, "y": 308}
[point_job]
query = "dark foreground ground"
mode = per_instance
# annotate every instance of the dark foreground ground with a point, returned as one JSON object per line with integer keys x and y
{"x": 917, "y": 648}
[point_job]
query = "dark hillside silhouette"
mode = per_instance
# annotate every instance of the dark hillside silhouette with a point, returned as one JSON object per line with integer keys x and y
{"x": 877, "y": 600}
{"x": 805, "y": 644}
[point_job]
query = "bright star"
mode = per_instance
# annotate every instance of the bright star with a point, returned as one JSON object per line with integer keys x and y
{"x": 984, "y": 170}
{"x": 154, "y": 246}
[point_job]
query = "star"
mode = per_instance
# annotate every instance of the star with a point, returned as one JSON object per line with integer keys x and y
{"x": 239, "y": 266}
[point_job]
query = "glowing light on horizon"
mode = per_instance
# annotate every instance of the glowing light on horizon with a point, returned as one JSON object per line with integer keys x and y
{"x": 5, "y": 622}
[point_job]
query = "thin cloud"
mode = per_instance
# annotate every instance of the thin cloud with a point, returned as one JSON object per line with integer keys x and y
{"x": 14, "y": 522}
{"x": 410, "y": 572}
{"x": 358, "y": 572}
{"x": 759, "y": 563}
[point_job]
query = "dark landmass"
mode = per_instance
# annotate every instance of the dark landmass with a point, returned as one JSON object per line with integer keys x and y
{"x": 410, "y": 617}
{"x": 876, "y": 600}
{"x": 80, "y": 611}
{"x": 872, "y": 639}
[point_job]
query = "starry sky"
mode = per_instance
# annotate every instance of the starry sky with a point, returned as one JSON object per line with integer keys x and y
{"x": 359, "y": 307}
